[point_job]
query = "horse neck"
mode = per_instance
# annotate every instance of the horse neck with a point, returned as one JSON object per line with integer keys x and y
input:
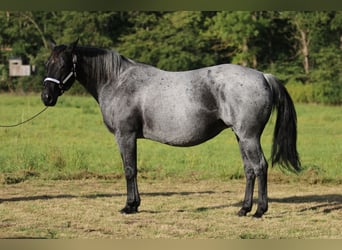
{"x": 97, "y": 68}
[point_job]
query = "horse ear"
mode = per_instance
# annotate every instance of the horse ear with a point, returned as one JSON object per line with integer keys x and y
{"x": 52, "y": 44}
{"x": 73, "y": 45}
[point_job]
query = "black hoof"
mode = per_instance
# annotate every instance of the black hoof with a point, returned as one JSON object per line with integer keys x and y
{"x": 258, "y": 214}
{"x": 129, "y": 210}
{"x": 242, "y": 212}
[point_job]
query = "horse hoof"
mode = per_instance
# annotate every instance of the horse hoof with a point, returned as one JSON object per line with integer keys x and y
{"x": 258, "y": 215}
{"x": 129, "y": 210}
{"x": 242, "y": 212}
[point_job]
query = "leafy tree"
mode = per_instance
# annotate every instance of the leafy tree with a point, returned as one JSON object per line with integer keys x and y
{"x": 171, "y": 41}
{"x": 303, "y": 48}
{"x": 238, "y": 33}
{"x": 327, "y": 78}
{"x": 326, "y": 75}
{"x": 308, "y": 28}
{"x": 92, "y": 28}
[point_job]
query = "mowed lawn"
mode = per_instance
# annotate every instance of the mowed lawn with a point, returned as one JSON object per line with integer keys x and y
{"x": 61, "y": 177}
{"x": 170, "y": 208}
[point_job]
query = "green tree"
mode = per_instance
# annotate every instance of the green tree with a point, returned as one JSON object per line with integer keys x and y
{"x": 171, "y": 40}
{"x": 93, "y": 28}
{"x": 238, "y": 33}
{"x": 326, "y": 75}
{"x": 308, "y": 27}
{"x": 298, "y": 47}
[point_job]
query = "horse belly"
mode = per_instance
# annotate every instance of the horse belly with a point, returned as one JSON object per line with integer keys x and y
{"x": 182, "y": 128}
{"x": 180, "y": 110}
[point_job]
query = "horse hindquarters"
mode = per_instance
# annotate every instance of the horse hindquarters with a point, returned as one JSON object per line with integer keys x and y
{"x": 284, "y": 150}
{"x": 247, "y": 111}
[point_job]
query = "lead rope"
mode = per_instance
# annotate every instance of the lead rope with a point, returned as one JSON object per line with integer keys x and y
{"x": 20, "y": 123}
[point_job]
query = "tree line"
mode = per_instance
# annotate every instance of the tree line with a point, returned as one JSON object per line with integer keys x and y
{"x": 303, "y": 49}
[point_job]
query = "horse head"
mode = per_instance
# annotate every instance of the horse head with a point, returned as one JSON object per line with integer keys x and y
{"x": 61, "y": 72}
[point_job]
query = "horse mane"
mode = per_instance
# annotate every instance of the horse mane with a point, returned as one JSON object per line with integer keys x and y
{"x": 105, "y": 65}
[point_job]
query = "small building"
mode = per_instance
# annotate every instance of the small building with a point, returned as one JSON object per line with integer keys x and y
{"x": 16, "y": 68}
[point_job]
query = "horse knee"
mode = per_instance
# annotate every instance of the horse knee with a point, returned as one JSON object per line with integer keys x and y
{"x": 261, "y": 168}
{"x": 130, "y": 172}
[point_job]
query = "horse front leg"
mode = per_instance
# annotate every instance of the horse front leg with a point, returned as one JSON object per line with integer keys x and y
{"x": 128, "y": 148}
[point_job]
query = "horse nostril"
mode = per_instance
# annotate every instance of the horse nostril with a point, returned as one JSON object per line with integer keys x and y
{"x": 46, "y": 98}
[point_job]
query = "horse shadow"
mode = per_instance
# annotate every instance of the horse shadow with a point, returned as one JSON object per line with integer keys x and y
{"x": 95, "y": 196}
{"x": 326, "y": 203}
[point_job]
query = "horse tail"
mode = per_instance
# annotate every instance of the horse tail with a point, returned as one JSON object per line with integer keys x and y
{"x": 284, "y": 149}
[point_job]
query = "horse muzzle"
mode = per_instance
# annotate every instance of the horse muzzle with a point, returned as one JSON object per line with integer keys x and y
{"x": 48, "y": 98}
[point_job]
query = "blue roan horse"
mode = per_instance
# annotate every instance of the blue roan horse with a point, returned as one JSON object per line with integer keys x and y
{"x": 180, "y": 109}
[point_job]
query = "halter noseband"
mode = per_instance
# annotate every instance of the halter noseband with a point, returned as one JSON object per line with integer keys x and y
{"x": 64, "y": 81}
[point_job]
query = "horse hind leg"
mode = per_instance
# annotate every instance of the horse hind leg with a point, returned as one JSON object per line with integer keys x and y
{"x": 255, "y": 166}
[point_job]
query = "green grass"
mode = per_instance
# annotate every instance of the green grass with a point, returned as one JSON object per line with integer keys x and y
{"x": 71, "y": 141}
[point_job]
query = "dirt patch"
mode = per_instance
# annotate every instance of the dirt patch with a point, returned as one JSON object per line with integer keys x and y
{"x": 170, "y": 209}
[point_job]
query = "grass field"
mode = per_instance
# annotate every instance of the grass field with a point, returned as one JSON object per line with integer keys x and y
{"x": 176, "y": 209}
{"x": 61, "y": 177}
{"x": 70, "y": 141}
